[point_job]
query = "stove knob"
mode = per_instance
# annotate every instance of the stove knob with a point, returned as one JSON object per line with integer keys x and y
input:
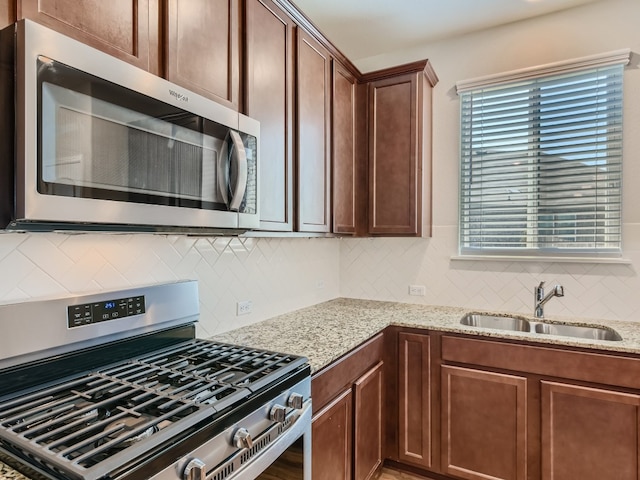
{"x": 295, "y": 401}
{"x": 242, "y": 438}
{"x": 195, "y": 470}
{"x": 278, "y": 413}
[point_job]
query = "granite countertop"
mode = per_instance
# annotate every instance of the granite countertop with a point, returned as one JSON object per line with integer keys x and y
{"x": 8, "y": 473}
{"x": 326, "y": 331}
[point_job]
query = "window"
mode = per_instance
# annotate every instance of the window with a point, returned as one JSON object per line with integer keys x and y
{"x": 541, "y": 161}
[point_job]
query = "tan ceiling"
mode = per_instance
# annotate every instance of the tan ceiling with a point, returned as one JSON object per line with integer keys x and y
{"x": 366, "y": 28}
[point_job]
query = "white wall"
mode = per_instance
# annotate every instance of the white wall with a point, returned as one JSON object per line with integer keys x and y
{"x": 277, "y": 275}
{"x": 383, "y": 268}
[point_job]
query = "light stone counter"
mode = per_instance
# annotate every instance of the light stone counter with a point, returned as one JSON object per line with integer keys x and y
{"x": 326, "y": 331}
{"x": 8, "y": 473}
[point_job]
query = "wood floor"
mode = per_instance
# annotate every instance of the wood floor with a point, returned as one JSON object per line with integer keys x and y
{"x": 388, "y": 474}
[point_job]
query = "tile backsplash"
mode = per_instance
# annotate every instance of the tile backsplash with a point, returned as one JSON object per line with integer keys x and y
{"x": 277, "y": 275}
{"x": 383, "y": 268}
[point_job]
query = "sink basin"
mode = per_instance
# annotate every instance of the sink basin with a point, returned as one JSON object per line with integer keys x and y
{"x": 594, "y": 333}
{"x": 515, "y": 324}
{"x": 496, "y": 322}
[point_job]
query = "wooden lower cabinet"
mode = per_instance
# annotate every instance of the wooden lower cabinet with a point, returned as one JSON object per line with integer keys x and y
{"x": 331, "y": 433}
{"x": 474, "y": 409}
{"x": 589, "y": 433}
{"x": 347, "y": 427}
{"x": 484, "y": 429}
{"x": 368, "y": 424}
{"x": 347, "y": 434}
{"x": 414, "y": 391}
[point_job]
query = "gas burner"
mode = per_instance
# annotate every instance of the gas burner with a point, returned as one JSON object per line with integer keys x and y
{"x": 230, "y": 376}
{"x": 122, "y": 428}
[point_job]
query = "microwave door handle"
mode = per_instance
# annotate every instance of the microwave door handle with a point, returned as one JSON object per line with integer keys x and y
{"x": 239, "y": 161}
{"x": 223, "y": 173}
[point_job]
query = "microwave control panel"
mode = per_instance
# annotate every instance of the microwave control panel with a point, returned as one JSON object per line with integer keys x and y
{"x": 88, "y": 313}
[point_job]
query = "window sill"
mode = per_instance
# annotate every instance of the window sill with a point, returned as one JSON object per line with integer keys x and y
{"x": 541, "y": 259}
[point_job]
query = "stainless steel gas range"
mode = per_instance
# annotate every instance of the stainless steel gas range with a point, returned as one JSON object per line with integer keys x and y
{"x": 116, "y": 386}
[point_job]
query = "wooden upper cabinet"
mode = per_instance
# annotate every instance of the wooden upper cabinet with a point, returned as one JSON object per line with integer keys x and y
{"x": 400, "y": 151}
{"x": 203, "y": 48}
{"x": 126, "y": 29}
{"x": 344, "y": 164}
{"x": 269, "y": 51}
{"x": 589, "y": 433}
{"x": 7, "y": 12}
{"x": 313, "y": 126}
{"x": 393, "y": 164}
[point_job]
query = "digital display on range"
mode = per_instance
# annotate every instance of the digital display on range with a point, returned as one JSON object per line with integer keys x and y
{"x": 88, "y": 313}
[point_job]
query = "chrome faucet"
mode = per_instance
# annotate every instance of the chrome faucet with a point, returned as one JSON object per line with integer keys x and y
{"x": 540, "y": 299}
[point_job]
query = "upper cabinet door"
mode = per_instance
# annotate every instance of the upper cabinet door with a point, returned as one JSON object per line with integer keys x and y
{"x": 203, "y": 48}
{"x": 400, "y": 149}
{"x": 269, "y": 51}
{"x": 314, "y": 153}
{"x": 344, "y": 150}
{"x": 394, "y": 162}
{"x": 7, "y": 13}
{"x": 126, "y": 29}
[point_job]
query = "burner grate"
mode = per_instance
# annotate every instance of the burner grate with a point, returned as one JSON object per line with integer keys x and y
{"x": 93, "y": 424}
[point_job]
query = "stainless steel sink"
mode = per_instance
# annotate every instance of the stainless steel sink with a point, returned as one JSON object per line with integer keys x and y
{"x": 594, "y": 333}
{"x": 515, "y": 324}
{"x": 495, "y": 321}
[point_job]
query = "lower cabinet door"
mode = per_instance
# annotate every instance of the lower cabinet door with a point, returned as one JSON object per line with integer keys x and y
{"x": 483, "y": 425}
{"x": 332, "y": 431}
{"x": 368, "y": 391}
{"x": 588, "y": 433}
{"x": 414, "y": 395}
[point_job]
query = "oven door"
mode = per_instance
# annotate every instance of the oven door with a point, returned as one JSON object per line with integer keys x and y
{"x": 289, "y": 458}
{"x": 269, "y": 450}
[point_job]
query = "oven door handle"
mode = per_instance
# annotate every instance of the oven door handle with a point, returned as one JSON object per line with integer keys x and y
{"x": 301, "y": 427}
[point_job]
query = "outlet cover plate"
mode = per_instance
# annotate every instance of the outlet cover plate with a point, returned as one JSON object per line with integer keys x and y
{"x": 417, "y": 290}
{"x": 244, "y": 307}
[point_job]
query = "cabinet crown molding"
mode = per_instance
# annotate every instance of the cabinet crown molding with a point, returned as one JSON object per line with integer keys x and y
{"x": 421, "y": 66}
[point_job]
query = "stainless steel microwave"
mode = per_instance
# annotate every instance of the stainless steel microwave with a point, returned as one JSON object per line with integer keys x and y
{"x": 94, "y": 143}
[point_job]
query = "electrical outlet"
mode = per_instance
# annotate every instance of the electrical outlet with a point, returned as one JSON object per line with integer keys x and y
{"x": 417, "y": 290}
{"x": 244, "y": 307}
{"x": 319, "y": 284}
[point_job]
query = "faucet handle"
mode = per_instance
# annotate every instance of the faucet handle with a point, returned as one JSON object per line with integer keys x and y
{"x": 541, "y": 284}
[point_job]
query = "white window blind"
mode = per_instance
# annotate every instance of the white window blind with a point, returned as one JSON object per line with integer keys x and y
{"x": 541, "y": 165}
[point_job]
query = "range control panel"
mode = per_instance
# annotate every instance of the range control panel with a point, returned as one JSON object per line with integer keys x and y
{"x": 87, "y": 313}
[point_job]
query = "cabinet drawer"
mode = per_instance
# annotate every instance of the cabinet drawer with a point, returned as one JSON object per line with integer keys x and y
{"x": 327, "y": 383}
{"x": 578, "y": 365}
